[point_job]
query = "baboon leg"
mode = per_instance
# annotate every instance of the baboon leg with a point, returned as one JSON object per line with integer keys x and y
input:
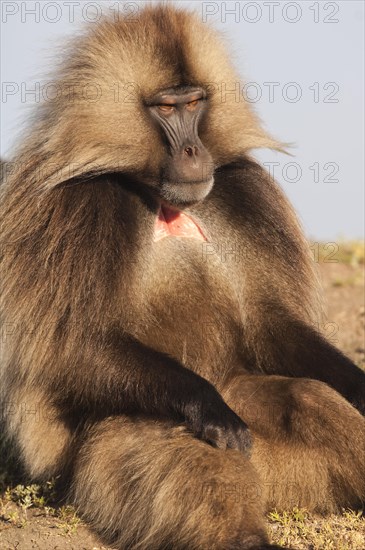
{"x": 309, "y": 442}
{"x": 43, "y": 438}
{"x": 148, "y": 485}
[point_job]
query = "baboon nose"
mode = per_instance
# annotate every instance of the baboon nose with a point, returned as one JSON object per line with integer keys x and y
{"x": 191, "y": 151}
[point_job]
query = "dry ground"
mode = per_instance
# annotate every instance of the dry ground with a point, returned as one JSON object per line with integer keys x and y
{"x": 29, "y": 518}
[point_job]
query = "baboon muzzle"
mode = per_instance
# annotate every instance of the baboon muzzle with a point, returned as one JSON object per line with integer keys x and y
{"x": 189, "y": 163}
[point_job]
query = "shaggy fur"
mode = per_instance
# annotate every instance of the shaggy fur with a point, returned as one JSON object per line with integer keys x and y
{"x": 107, "y": 334}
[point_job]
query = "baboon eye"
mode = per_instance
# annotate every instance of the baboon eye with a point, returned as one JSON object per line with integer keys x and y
{"x": 192, "y": 105}
{"x": 166, "y": 108}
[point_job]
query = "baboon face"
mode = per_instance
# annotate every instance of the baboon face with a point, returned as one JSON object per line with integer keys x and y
{"x": 186, "y": 174}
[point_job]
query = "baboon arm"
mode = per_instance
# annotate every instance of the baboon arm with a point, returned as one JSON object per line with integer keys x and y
{"x": 303, "y": 352}
{"x": 118, "y": 374}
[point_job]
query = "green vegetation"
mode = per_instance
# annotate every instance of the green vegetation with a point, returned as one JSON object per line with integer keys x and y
{"x": 301, "y": 530}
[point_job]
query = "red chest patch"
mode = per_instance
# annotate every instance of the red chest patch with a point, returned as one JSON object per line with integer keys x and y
{"x": 174, "y": 223}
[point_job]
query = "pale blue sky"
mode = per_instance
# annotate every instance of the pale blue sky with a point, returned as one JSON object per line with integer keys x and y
{"x": 304, "y": 62}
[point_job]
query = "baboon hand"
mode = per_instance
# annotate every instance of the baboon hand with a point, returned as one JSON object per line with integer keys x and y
{"x": 211, "y": 420}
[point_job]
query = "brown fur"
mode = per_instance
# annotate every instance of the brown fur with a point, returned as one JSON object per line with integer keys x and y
{"x": 80, "y": 272}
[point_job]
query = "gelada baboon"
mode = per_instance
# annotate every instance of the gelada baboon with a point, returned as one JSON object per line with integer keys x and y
{"x": 158, "y": 303}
